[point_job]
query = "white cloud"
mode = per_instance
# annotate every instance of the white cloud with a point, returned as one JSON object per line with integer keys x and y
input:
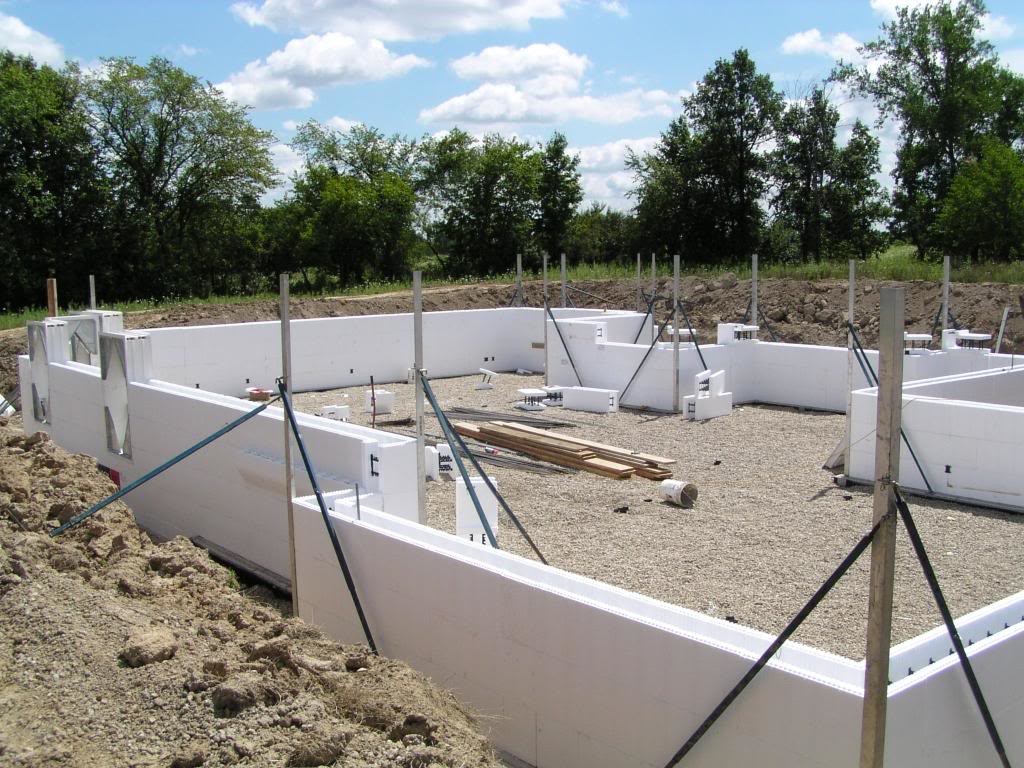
{"x": 616, "y": 7}
{"x": 188, "y": 51}
{"x": 1013, "y": 59}
{"x": 397, "y": 19}
{"x": 290, "y": 125}
{"x": 17, "y": 37}
{"x": 992, "y": 27}
{"x": 503, "y": 103}
{"x": 506, "y": 62}
{"x": 811, "y": 41}
{"x": 287, "y": 161}
{"x": 612, "y": 155}
{"x": 288, "y": 77}
{"x": 342, "y": 124}
{"x": 996, "y": 27}
{"x": 540, "y": 84}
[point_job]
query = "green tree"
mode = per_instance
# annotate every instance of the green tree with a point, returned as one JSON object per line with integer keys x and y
{"x": 858, "y": 205}
{"x": 52, "y": 195}
{"x": 711, "y": 168}
{"x": 600, "y": 235}
{"x": 983, "y": 214}
{"x": 356, "y": 202}
{"x": 559, "y": 194}
{"x": 179, "y": 157}
{"x": 826, "y": 195}
{"x": 491, "y": 213}
{"x": 932, "y": 73}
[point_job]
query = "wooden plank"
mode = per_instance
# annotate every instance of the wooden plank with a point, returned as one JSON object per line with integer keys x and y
{"x": 549, "y": 441}
{"x": 588, "y": 443}
{"x": 592, "y": 464}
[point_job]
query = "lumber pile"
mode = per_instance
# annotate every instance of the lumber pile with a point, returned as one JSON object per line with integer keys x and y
{"x": 598, "y": 458}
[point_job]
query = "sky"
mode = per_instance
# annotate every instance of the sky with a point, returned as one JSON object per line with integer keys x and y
{"x": 609, "y": 74}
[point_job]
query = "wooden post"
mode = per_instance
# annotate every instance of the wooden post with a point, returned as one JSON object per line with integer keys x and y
{"x": 519, "y": 280}
{"x": 564, "y": 302}
{"x": 851, "y": 295}
{"x": 289, "y": 476}
{"x": 92, "y": 291}
{"x": 754, "y": 319}
{"x": 51, "y": 297}
{"x": 945, "y": 292}
{"x": 675, "y": 333}
{"x": 417, "y": 335}
{"x": 544, "y": 317}
{"x": 883, "y": 548}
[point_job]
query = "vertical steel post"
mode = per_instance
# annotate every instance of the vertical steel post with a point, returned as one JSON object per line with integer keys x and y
{"x": 675, "y": 333}
{"x": 289, "y": 472}
{"x": 754, "y": 318}
{"x": 851, "y": 295}
{"x": 1002, "y": 327}
{"x": 519, "y": 280}
{"x": 564, "y": 296}
{"x": 51, "y": 297}
{"x": 883, "y": 547}
{"x": 945, "y": 292}
{"x": 639, "y": 286}
{"x": 92, "y": 291}
{"x": 654, "y": 292}
{"x": 417, "y": 334}
{"x": 544, "y": 315}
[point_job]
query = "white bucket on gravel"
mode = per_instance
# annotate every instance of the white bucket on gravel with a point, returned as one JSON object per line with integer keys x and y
{"x": 678, "y": 492}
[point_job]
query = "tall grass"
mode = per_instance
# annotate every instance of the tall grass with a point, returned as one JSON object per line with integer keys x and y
{"x": 898, "y": 263}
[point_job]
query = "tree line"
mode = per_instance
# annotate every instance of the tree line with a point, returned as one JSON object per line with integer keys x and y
{"x": 150, "y": 179}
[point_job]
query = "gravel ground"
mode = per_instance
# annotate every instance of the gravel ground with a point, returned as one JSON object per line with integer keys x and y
{"x": 767, "y": 529}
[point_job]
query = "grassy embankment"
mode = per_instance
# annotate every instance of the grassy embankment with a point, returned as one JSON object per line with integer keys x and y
{"x": 897, "y": 263}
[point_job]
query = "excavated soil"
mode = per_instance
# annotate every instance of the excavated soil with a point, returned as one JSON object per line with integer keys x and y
{"x": 116, "y": 651}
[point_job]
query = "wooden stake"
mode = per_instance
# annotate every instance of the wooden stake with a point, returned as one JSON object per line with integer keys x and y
{"x": 639, "y": 286}
{"x": 92, "y": 291}
{"x": 519, "y": 280}
{"x": 654, "y": 292}
{"x": 51, "y": 297}
{"x": 289, "y": 476}
{"x": 883, "y": 548}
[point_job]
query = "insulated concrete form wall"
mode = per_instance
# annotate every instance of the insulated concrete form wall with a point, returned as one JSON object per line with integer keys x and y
{"x": 232, "y": 491}
{"x": 572, "y": 673}
{"x": 345, "y": 351}
{"x": 970, "y": 450}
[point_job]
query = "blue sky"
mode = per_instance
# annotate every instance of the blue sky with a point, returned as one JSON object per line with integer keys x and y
{"x": 609, "y": 74}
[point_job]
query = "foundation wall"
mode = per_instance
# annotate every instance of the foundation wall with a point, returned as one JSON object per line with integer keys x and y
{"x": 967, "y": 449}
{"x": 569, "y": 672}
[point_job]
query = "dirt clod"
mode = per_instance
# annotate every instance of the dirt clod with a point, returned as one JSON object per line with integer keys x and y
{"x": 148, "y": 647}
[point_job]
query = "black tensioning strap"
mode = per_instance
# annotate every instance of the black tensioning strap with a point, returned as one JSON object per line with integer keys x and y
{"x": 564, "y": 345}
{"x": 954, "y": 634}
{"x": 643, "y": 360}
{"x": 689, "y": 327}
{"x": 572, "y": 287}
{"x": 487, "y": 480}
{"x": 331, "y": 533}
{"x": 454, "y": 440}
{"x": 873, "y": 380}
{"x": 648, "y": 313}
{"x": 776, "y": 644}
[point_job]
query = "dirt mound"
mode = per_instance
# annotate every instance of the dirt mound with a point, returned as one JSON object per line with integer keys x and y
{"x": 116, "y": 651}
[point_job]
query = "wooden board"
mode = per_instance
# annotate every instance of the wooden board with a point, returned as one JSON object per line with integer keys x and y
{"x": 599, "y": 447}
